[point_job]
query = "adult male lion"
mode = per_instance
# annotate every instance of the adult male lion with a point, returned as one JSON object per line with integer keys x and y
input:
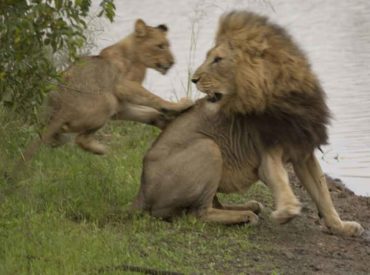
{"x": 96, "y": 88}
{"x": 264, "y": 107}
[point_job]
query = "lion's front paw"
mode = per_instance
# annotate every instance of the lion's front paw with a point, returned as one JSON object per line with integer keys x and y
{"x": 286, "y": 213}
{"x": 348, "y": 228}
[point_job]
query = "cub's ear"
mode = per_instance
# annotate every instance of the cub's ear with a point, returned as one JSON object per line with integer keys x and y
{"x": 140, "y": 28}
{"x": 162, "y": 27}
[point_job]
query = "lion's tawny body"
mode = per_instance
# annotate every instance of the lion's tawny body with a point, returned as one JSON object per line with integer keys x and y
{"x": 265, "y": 107}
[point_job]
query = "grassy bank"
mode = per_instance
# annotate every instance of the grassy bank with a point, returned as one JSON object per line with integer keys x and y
{"x": 68, "y": 213}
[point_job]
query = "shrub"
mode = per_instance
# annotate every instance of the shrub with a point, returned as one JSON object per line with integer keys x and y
{"x": 32, "y": 33}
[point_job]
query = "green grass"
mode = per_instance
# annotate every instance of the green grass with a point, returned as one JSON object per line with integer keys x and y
{"x": 68, "y": 213}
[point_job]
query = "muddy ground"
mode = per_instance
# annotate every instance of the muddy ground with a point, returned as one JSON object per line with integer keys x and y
{"x": 304, "y": 246}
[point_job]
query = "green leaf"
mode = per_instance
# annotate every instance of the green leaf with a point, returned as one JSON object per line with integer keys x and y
{"x": 108, "y": 9}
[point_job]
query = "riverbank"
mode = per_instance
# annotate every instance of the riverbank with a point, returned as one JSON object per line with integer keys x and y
{"x": 305, "y": 247}
{"x": 68, "y": 213}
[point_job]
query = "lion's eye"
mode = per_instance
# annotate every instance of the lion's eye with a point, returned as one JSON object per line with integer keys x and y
{"x": 161, "y": 46}
{"x": 217, "y": 59}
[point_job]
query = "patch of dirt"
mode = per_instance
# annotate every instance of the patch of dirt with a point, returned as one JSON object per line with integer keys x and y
{"x": 303, "y": 246}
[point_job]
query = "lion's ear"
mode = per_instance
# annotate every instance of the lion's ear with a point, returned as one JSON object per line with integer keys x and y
{"x": 140, "y": 28}
{"x": 162, "y": 27}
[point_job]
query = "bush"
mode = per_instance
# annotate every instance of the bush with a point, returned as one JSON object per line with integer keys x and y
{"x": 32, "y": 33}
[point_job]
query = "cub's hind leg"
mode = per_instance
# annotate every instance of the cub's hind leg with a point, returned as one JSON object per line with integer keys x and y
{"x": 87, "y": 142}
{"x": 311, "y": 176}
{"x": 53, "y": 129}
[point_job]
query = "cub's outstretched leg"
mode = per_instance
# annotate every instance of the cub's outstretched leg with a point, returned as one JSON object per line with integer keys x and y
{"x": 143, "y": 114}
{"x": 311, "y": 176}
{"x": 273, "y": 173}
{"x": 134, "y": 93}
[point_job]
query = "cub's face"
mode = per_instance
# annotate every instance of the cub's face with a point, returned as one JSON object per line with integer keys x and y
{"x": 215, "y": 77}
{"x": 153, "y": 47}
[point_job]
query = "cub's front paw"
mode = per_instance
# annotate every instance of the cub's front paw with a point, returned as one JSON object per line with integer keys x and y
{"x": 185, "y": 103}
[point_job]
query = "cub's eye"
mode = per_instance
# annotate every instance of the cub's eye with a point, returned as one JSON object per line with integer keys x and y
{"x": 161, "y": 46}
{"x": 217, "y": 59}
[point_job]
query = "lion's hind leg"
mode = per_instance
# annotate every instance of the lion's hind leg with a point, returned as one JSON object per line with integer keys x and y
{"x": 210, "y": 214}
{"x": 273, "y": 173}
{"x": 311, "y": 176}
{"x": 227, "y": 216}
{"x": 251, "y": 205}
{"x": 186, "y": 180}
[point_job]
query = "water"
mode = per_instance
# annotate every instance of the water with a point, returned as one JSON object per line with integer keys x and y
{"x": 335, "y": 34}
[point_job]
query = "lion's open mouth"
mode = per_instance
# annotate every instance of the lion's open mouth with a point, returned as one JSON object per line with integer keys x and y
{"x": 214, "y": 97}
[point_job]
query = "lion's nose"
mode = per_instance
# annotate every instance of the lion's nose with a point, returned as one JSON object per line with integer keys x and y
{"x": 195, "y": 80}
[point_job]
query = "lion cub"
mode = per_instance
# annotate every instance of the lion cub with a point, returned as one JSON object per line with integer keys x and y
{"x": 98, "y": 88}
